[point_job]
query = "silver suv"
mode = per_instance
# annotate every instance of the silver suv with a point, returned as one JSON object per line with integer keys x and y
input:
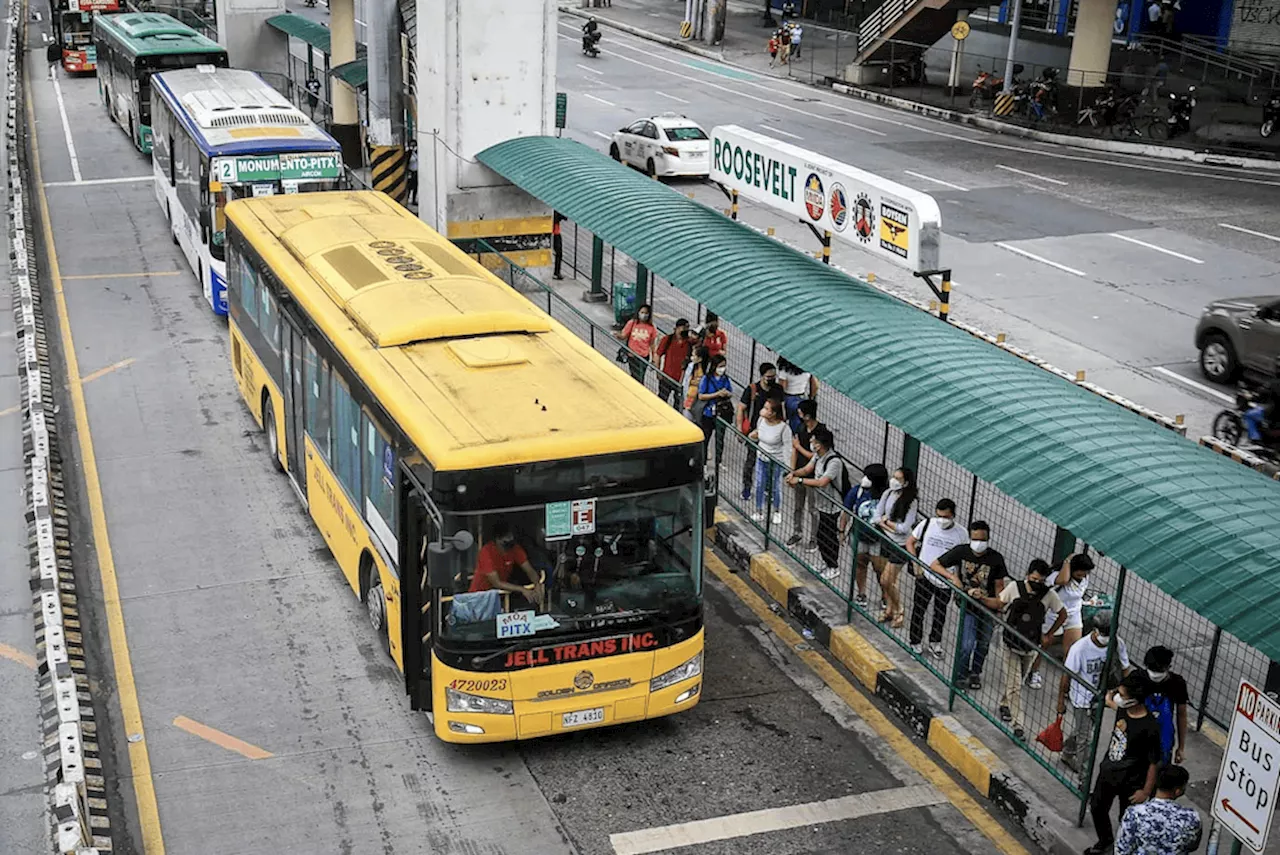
{"x": 1239, "y": 336}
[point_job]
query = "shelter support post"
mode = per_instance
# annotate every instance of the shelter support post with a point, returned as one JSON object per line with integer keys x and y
{"x": 733, "y": 205}
{"x": 824, "y": 238}
{"x": 910, "y": 453}
{"x": 596, "y": 294}
{"x": 642, "y": 285}
{"x": 942, "y": 290}
{"x": 1100, "y": 706}
{"x": 1208, "y": 676}
{"x": 1064, "y": 543}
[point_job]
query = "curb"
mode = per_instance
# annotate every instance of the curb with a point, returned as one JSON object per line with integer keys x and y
{"x": 1155, "y": 152}
{"x": 952, "y": 742}
{"x": 76, "y": 789}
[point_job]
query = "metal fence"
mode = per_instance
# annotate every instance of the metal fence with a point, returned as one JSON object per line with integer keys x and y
{"x": 1212, "y": 661}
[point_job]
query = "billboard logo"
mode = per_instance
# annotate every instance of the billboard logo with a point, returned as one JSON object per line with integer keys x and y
{"x": 895, "y": 224}
{"x": 815, "y": 199}
{"x": 864, "y": 217}
{"x": 839, "y": 207}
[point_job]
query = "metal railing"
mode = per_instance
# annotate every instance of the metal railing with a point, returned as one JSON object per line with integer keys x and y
{"x": 1211, "y": 660}
{"x": 875, "y": 24}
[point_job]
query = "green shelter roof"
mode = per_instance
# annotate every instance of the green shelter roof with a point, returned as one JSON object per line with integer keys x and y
{"x": 314, "y": 34}
{"x": 355, "y": 73}
{"x": 1198, "y": 525}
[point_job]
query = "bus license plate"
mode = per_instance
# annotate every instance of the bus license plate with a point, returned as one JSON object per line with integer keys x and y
{"x": 582, "y": 717}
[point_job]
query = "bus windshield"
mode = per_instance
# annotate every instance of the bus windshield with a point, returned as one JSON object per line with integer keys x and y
{"x": 76, "y": 28}
{"x": 617, "y": 562}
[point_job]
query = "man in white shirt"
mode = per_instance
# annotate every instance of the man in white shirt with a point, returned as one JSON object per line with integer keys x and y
{"x": 931, "y": 538}
{"x": 1087, "y": 658}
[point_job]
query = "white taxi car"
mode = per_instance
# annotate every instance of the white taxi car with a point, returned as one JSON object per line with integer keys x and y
{"x": 665, "y": 145}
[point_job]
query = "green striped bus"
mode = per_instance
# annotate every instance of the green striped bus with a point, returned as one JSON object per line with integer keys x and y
{"x": 131, "y": 47}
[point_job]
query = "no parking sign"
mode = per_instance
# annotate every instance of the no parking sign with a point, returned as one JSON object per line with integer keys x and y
{"x": 1250, "y": 773}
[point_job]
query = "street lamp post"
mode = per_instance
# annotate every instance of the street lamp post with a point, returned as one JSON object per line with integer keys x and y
{"x": 1013, "y": 45}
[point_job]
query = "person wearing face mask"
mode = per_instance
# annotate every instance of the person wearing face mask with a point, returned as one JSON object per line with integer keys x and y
{"x": 714, "y": 395}
{"x": 801, "y": 454}
{"x": 1027, "y": 605}
{"x": 860, "y": 503}
{"x": 894, "y": 519}
{"x": 498, "y": 558}
{"x": 1167, "y": 700}
{"x": 824, "y": 475}
{"x": 673, "y": 349}
{"x": 1071, "y": 582}
{"x": 747, "y": 417}
{"x": 1088, "y": 659}
{"x": 1160, "y": 824}
{"x": 1127, "y": 772}
{"x": 931, "y": 538}
{"x": 639, "y": 336}
{"x": 712, "y": 337}
{"x": 980, "y": 571}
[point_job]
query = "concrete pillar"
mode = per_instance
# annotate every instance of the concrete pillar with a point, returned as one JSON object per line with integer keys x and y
{"x": 386, "y": 104}
{"x": 342, "y": 49}
{"x": 250, "y": 43}
{"x": 485, "y": 73}
{"x": 1091, "y": 46}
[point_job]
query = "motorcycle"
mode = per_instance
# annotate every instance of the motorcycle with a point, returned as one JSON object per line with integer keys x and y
{"x": 1270, "y": 115}
{"x": 1228, "y": 426}
{"x": 1179, "y": 121}
{"x": 590, "y": 38}
{"x": 987, "y": 84}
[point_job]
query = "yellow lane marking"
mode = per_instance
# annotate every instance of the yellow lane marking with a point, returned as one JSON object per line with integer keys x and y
{"x": 885, "y": 729}
{"x": 144, "y": 790}
{"x": 10, "y": 411}
{"x": 220, "y": 739}
{"x": 140, "y": 274}
{"x": 22, "y": 657}
{"x": 124, "y": 363}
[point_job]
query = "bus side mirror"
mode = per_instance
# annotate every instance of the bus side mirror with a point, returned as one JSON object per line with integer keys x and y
{"x": 442, "y": 558}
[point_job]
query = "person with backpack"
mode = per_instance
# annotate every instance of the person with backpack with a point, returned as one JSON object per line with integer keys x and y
{"x": 673, "y": 349}
{"x": 699, "y": 366}
{"x": 894, "y": 519}
{"x": 714, "y": 394}
{"x": 1027, "y": 605}
{"x": 930, "y": 538}
{"x": 860, "y": 502}
{"x": 801, "y": 454}
{"x": 826, "y": 474}
{"x": 1167, "y": 701}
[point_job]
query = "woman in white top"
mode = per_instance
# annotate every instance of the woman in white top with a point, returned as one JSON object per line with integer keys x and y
{"x": 797, "y": 385}
{"x": 774, "y": 437}
{"x": 895, "y": 517}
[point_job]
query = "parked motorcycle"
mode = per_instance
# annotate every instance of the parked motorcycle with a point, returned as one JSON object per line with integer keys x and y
{"x": 1270, "y": 115}
{"x": 986, "y": 85}
{"x": 1179, "y": 120}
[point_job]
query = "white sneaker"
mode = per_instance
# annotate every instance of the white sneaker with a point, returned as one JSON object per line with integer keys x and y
{"x": 1037, "y": 681}
{"x": 777, "y": 518}
{"x": 917, "y": 649}
{"x": 828, "y": 573}
{"x": 936, "y": 650}
{"x": 758, "y": 516}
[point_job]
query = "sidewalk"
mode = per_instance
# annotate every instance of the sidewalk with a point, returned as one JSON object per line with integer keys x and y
{"x": 962, "y": 735}
{"x": 1228, "y": 137}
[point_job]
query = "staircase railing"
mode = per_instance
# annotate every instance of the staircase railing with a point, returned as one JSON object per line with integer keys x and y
{"x": 878, "y": 22}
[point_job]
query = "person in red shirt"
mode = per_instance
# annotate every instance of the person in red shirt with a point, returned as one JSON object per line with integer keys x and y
{"x": 714, "y": 338}
{"x": 497, "y": 559}
{"x": 674, "y": 350}
{"x": 640, "y": 335}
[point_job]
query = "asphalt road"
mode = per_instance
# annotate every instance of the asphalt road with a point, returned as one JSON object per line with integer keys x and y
{"x": 271, "y": 721}
{"x": 1094, "y": 261}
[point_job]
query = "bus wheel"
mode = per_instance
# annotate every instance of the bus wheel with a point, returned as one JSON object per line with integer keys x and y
{"x": 273, "y": 436}
{"x": 375, "y": 601}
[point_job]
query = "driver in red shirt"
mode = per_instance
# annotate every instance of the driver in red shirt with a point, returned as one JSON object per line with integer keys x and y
{"x": 497, "y": 559}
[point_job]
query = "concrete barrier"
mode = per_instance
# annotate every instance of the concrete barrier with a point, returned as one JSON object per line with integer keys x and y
{"x": 79, "y": 823}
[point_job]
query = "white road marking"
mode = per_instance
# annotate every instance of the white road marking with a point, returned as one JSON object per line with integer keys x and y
{"x": 1031, "y": 174}
{"x": 935, "y": 180}
{"x": 672, "y": 97}
{"x": 588, "y": 68}
{"x": 1192, "y": 259}
{"x": 1208, "y": 390}
{"x": 66, "y": 129}
{"x": 1249, "y": 232}
{"x": 781, "y": 131}
{"x": 132, "y": 179}
{"x": 603, "y": 136}
{"x": 1031, "y": 255}
{"x": 774, "y": 819}
{"x": 601, "y": 100}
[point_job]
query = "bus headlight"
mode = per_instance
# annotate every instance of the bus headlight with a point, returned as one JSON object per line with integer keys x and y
{"x": 692, "y": 668}
{"x": 456, "y": 701}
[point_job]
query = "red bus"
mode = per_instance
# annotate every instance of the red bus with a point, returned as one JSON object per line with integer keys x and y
{"x": 73, "y": 28}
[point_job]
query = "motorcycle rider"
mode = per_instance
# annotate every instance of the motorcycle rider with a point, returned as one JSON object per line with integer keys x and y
{"x": 1262, "y": 420}
{"x": 590, "y": 35}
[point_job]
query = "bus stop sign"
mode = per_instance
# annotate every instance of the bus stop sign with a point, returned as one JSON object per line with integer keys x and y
{"x": 1250, "y": 773}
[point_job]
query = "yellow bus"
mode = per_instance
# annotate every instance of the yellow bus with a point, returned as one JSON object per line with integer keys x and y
{"x": 522, "y": 520}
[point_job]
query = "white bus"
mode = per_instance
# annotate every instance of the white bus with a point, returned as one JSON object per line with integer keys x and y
{"x": 220, "y": 134}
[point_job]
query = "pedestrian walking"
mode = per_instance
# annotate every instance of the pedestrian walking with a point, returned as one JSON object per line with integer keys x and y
{"x": 931, "y": 538}
{"x": 557, "y": 246}
{"x": 773, "y": 50}
{"x": 639, "y": 335}
{"x": 774, "y": 437}
{"x": 980, "y": 571}
{"x": 715, "y": 392}
{"x": 1127, "y": 772}
{"x": 53, "y": 53}
{"x": 801, "y": 453}
{"x": 784, "y": 45}
{"x": 826, "y": 475}
{"x": 715, "y": 339}
{"x": 895, "y": 519}
{"x": 699, "y": 366}
{"x": 1161, "y": 826}
{"x": 1087, "y": 658}
{"x": 412, "y": 194}
{"x": 1167, "y": 701}
{"x": 797, "y": 32}
{"x": 313, "y": 92}
{"x": 748, "y": 415}
{"x": 673, "y": 352}
{"x": 798, "y": 385}
{"x": 1026, "y": 606}
{"x": 861, "y": 502}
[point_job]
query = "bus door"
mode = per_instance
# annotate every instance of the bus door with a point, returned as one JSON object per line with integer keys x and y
{"x": 291, "y": 387}
{"x": 418, "y": 598}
